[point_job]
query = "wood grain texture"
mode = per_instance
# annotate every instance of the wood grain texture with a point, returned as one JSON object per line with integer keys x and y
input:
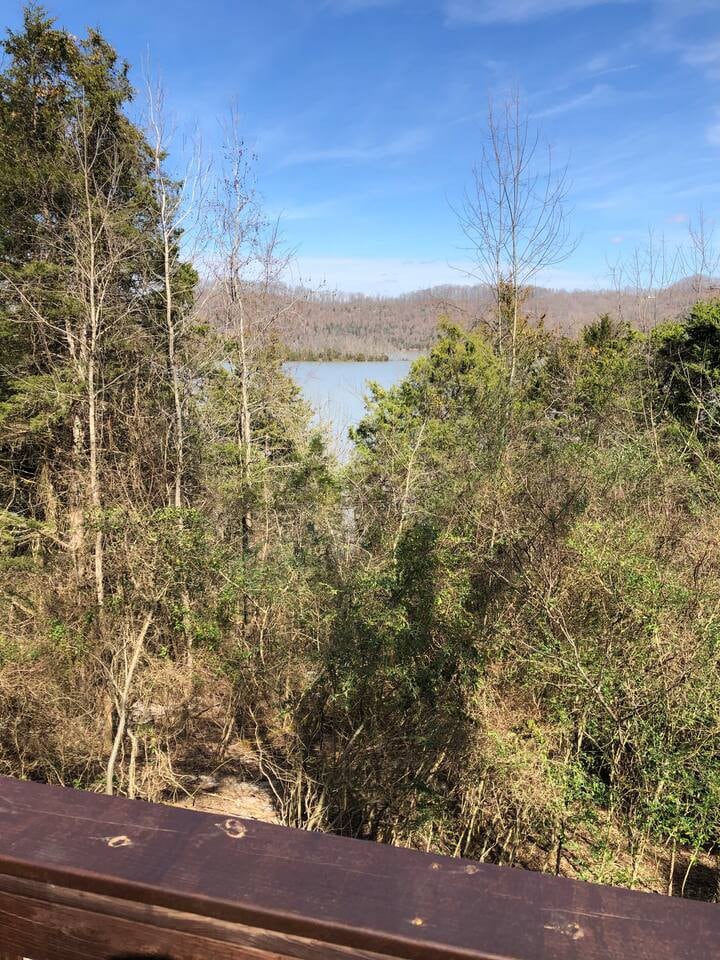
{"x": 171, "y": 882}
{"x": 33, "y": 916}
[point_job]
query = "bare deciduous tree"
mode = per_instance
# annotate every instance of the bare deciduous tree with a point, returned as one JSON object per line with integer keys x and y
{"x": 178, "y": 205}
{"x": 514, "y": 214}
{"x": 643, "y": 280}
{"x": 701, "y": 256}
{"x": 249, "y": 265}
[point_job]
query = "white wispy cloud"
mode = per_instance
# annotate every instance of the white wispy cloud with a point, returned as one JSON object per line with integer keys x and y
{"x": 681, "y": 28}
{"x": 598, "y": 63}
{"x": 515, "y": 11}
{"x": 712, "y": 132}
{"x": 623, "y": 68}
{"x": 705, "y": 56}
{"x": 599, "y": 92}
{"x": 402, "y": 145}
{"x": 702, "y": 54}
{"x": 354, "y": 6}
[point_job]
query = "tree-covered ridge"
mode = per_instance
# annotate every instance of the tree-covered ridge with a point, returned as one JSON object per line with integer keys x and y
{"x": 494, "y": 633}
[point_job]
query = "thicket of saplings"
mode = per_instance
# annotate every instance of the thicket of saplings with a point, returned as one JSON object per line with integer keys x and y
{"x": 494, "y": 633}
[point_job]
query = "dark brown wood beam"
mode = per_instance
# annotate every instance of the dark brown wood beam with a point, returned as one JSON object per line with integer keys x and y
{"x": 87, "y": 877}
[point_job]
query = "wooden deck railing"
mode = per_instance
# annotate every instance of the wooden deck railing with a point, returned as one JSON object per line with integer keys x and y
{"x": 85, "y": 877}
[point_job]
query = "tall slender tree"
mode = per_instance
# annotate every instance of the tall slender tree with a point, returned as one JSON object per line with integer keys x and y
{"x": 514, "y": 215}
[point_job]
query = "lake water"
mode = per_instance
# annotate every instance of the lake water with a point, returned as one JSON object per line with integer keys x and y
{"x": 336, "y": 390}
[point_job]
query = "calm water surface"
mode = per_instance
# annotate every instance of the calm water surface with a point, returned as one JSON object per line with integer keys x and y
{"x": 336, "y": 390}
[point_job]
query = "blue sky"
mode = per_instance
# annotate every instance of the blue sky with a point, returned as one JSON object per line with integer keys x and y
{"x": 367, "y": 114}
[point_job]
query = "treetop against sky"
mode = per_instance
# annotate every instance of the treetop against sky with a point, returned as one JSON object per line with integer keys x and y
{"x": 367, "y": 115}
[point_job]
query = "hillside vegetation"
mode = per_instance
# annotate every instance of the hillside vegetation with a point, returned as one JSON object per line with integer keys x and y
{"x": 335, "y": 324}
{"x": 494, "y": 633}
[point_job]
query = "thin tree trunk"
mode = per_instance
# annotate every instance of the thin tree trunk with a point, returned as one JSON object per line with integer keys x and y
{"x": 406, "y": 491}
{"x": 179, "y": 425}
{"x": 76, "y": 524}
{"x": 671, "y": 873}
{"x": 172, "y": 363}
{"x": 245, "y": 441}
{"x": 91, "y": 384}
{"x": 95, "y": 497}
{"x": 513, "y": 360}
{"x": 122, "y": 704}
{"x": 245, "y": 426}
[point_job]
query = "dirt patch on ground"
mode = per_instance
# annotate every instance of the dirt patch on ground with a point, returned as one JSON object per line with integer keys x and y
{"x": 232, "y": 796}
{"x": 236, "y": 789}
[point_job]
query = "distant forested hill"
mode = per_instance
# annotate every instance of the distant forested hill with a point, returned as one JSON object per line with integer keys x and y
{"x": 344, "y": 324}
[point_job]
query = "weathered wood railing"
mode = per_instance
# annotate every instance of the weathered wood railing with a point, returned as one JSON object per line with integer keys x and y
{"x": 85, "y": 877}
